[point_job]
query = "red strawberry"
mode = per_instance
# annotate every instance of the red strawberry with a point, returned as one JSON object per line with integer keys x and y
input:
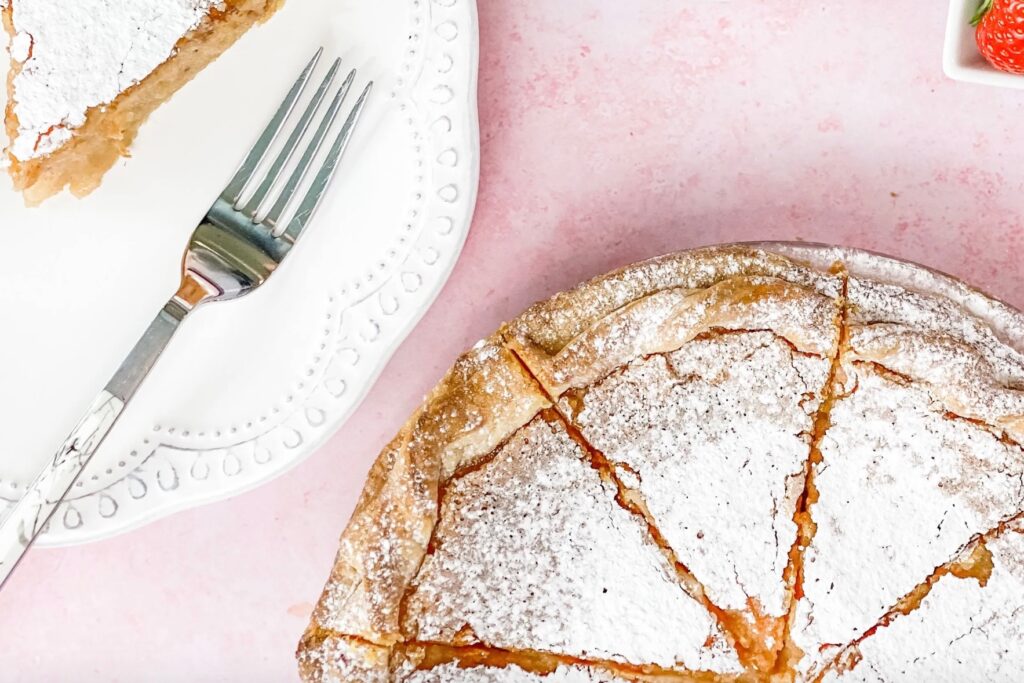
{"x": 1000, "y": 33}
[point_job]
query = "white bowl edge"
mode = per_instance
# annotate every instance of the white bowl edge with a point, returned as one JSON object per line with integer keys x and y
{"x": 961, "y": 60}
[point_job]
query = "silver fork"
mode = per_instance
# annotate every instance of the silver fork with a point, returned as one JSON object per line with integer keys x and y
{"x": 232, "y": 252}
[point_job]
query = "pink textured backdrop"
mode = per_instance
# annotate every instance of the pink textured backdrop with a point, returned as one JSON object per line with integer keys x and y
{"x": 611, "y": 131}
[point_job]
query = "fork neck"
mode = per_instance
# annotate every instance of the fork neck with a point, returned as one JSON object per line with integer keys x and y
{"x": 192, "y": 292}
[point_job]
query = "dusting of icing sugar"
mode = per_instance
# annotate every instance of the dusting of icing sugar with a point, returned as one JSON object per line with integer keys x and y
{"x": 667, "y": 319}
{"x": 969, "y": 304}
{"x": 901, "y": 489}
{"x": 716, "y": 433}
{"x": 453, "y": 673}
{"x": 84, "y": 54}
{"x": 532, "y": 552}
{"x": 873, "y": 302}
{"x": 564, "y": 316}
{"x": 343, "y": 659}
{"x": 883, "y": 289}
{"x": 962, "y": 631}
{"x": 959, "y": 374}
{"x": 20, "y": 47}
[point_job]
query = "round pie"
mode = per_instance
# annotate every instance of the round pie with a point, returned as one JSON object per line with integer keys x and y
{"x": 772, "y": 462}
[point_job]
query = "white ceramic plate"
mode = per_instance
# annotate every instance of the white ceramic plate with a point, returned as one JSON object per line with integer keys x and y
{"x": 247, "y": 388}
{"x": 960, "y": 57}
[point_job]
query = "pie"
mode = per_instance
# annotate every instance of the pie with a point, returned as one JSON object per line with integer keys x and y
{"x": 86, "y": 74}
{"x": 741, "y": 463}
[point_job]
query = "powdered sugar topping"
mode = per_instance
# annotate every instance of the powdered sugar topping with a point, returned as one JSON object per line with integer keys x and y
{"x": 962, "y": 631}
{"x": 717, "y": 434}
{"x": 902, "y": 488}
{"x": 21, "y": 46}
{"x": 533, "y": 552}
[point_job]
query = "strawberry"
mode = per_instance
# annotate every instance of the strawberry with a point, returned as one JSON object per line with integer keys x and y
{"x": 1000, "y": 33}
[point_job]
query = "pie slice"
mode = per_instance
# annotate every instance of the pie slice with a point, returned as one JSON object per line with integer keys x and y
{"x": 532, "y": 552}
{"x": 963, "y": 620}
{"x": 86, "y": 74}
{"x": 723, "y": 423}
{"x": 732, "y": 464}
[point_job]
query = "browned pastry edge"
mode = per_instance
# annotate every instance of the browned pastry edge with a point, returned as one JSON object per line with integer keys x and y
{"x": 955, "y": 373}
{"x": 329, "y": 656}
{"x": 469, "y": 413}
{"x": 664, "y": 320}
{"x": 110, "y": 129}
{"x": 11, "y": 121}
{"x": 485, "y": 397}
{"x": 552, "y": 324}
{"x": 935, "y": 294}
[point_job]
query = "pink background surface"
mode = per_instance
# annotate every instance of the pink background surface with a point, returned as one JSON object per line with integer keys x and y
{"x": 611, "y": 132}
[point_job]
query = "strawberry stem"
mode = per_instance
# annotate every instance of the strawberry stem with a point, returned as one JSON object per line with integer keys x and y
{"x": 983, "y": 7}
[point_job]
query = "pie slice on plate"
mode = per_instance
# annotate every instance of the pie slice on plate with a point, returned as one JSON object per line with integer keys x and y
{"x": 732, "y": 464}
{"x": 86, "y": 74}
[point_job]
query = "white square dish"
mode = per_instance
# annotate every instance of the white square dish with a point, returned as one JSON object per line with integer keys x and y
{"x": 961, "y": 60}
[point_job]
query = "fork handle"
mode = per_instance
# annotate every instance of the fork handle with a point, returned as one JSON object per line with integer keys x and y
{"x": 29, "y": 516}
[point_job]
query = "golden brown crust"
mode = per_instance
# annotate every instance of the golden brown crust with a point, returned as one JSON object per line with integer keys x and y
{"x": 110, "y": 129}
{"x": 329, "y": 657}
{"x": 882, "y": 289}
{"x": 550, "y": 325}
{"x": 665, "y": 320}
{"x": 955, "y": 372}
{"x": 483, "y": 399}
{"x": 10, "y": 120}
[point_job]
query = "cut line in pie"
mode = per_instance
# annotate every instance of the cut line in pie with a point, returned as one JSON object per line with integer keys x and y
{"x": 742, "y": 463}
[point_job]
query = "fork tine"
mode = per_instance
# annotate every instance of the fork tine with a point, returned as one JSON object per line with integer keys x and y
{"x": 244, "y": 173}
{"x": 253, "y": 205}
{"x": 323, "y": 177}
{"x": 274, "y": 215}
